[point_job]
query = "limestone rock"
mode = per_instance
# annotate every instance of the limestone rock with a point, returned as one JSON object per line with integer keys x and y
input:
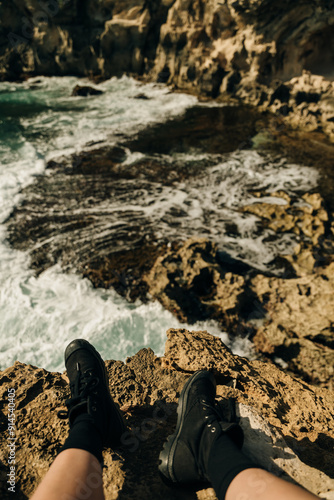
{"x": 190, "y": 283}
{"x": 289, "y": 319}
{"x": 299, "y": 326}
{"x": 123, "y": 40}
{"x": 307, "y": 220}
{"x": 287, "y": 423}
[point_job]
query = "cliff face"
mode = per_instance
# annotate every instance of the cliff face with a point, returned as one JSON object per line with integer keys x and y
{"x": 287, "y": 423}
{"x": 276, "y": 55}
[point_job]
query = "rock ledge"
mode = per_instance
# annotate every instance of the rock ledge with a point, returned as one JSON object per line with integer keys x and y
{"x": 288, "y": 424}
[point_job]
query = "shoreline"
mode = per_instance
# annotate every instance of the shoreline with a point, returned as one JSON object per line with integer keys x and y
{"x": 227, "y": 290}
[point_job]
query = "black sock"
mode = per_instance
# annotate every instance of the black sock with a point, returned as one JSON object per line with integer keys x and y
{"x": 85, "y": 436}
{"x": 225, "y": 462}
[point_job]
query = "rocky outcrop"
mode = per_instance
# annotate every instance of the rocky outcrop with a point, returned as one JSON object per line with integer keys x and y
{"x": 289, "y": 319}
{"x": 273, "y": 55}
{"x": 194, "y": 286}
{"x": 277, "y": 56}
{"x": 287, "y": 423}
{"x": 299, "y": 323}
{"x": 308, "y": 220}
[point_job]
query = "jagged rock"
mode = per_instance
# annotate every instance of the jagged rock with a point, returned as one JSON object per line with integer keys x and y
{"x": 123, "y": 40}
{"x": 190, "y": 283}
{"x": 308, "y": 221}
{"x": 86, "y": 90}
{"x": 287, "y": 423}
{"x": 289, "y": 319}
{"x": 299, "y": 325}
{"x": 243, "y": 50}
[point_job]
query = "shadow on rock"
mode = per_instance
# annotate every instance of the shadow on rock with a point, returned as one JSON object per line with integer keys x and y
{"x": 312, "y": 452}
{"x": 149, "y": 426}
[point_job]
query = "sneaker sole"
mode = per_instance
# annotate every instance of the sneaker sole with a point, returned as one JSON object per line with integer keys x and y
{"x": 167, "y": 454}
{"x": 84, "y": 344}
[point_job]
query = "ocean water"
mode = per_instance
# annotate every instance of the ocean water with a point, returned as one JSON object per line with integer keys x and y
{"x": 39, "y": 120}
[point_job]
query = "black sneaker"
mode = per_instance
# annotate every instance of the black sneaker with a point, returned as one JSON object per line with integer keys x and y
{"x": 185, "y": 454}
{"x": 90, "y": 391}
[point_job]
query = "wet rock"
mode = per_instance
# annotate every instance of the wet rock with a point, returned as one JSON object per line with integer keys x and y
{"x": 287, "y": 423}
{"x": 213, "y": 130}
{"x": 289, "y": 319}
{"x": 142, "y": 97}
{"x": 86, "y": 90}
{"x": 307, "y": 220}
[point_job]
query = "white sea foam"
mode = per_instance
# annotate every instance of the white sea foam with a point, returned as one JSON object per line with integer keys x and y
{"x": 207, "y": 205}
{"x": 40, "y": 316}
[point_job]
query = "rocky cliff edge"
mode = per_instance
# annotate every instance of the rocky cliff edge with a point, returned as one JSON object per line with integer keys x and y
{"x": 288, "y": 424}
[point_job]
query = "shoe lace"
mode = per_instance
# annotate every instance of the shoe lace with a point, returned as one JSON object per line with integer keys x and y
{"x": 229, "y": 425}
{"x": 212, "y": 412}
{"x": 82, "y": 386}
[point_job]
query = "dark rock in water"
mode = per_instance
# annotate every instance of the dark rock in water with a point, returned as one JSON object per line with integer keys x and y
{"x": 214, "y": 130}
{"x": 142, "y": 96}
{"x": 84, "y": 91}
{"x": 80, "y": 214}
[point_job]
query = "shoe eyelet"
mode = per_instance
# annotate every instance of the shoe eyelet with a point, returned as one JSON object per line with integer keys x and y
{"x": 206, "y": 417}
{"x": 209, "y": 425}
{"x": 213, "y": 429}
{"x": 93, "y": 409}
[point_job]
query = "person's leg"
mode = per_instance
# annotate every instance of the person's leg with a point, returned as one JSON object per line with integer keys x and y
{"x": 95, "y": 422}
{"x": 258, "y": 484}
{"x": 205, "y": 448}
{"x": 233, "y": 476}
{"x": 74, "y": 475}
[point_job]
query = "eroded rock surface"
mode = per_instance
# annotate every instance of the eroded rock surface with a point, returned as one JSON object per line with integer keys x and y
{"x": 307, "y": 218}
{"x": 288, "y": 318}
{"x": 299, "y": 322}
{"x": 287, "y": 423}
{"x": 194, "y": 286}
